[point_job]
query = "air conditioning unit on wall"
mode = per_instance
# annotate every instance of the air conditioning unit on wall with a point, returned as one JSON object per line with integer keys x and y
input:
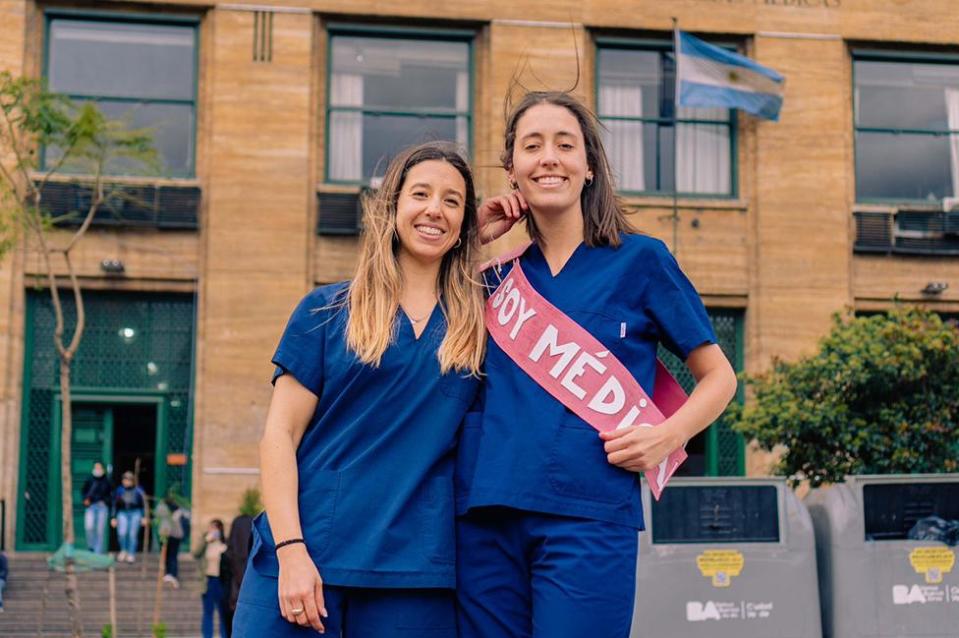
{"x": 926, "y": 232}
{"x": 339, "y": 213}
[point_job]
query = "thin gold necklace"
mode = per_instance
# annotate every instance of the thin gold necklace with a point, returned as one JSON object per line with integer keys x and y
{"x": 414, "y": 319}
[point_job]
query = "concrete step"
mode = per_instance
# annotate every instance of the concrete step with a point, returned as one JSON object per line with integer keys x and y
{"x": 35, "y": 601}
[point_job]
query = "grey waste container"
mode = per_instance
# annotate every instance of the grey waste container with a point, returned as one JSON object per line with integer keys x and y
{"x": 726, "y": 557}
{"x": 873, "y": 580}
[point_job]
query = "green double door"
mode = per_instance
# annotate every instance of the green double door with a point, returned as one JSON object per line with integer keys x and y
{"x": 91, "y": 441}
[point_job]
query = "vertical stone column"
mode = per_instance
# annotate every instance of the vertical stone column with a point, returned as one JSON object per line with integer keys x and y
{"x": 258, "y": 128}
{"x": 14, "y": 20}
{"x": 802, "y": 252}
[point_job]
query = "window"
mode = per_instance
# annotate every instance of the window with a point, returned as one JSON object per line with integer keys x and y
{"x": 142, "y": 74}
{"x": 386, "y": 92}
{"x": 635, "y": 102}
{"x": 907, "y": 129}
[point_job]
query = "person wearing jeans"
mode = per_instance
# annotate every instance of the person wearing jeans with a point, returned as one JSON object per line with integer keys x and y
{"x": 128, "y": 505}
{"x": 3, "y": 577}
{"x": 215, "y": 573}
{"x": 96, "y": 496}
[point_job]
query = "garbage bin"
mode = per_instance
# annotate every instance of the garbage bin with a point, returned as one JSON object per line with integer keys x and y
{"x": 874, "y": 581}
{"x": 726, "y": 557}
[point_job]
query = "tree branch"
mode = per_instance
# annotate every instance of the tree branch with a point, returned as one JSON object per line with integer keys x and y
{"x": 92, "y": 211}
{"x": 78, "y": 299}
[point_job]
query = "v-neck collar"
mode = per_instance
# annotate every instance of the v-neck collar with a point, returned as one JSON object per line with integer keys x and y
{"x": 536, "y": 254}
{"x": 406, "y": 324}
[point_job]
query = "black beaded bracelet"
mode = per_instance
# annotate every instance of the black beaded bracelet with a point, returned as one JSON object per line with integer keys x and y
{"x": 290, "y": 542}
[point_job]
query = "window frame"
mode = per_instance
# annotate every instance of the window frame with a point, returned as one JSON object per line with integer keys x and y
{"x": 660, "y": 45}
{"x": 386, "y": 32}
{"x": 115, "y": 17}
{"x": 900, "y": 57}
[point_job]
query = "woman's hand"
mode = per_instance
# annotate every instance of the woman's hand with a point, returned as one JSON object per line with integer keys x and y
{"x": 640, "y": 448}
{"x": 300, "y": 588}
{"x": 643, "y": 448}
{"x": 498, "y": 214}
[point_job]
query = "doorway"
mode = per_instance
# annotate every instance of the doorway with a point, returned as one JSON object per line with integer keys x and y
{"x": 124, "y": 436}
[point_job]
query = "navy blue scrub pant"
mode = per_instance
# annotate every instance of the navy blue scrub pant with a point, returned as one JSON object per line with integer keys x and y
{"x": 354, "y": 612}
{"x": 530, "y": 575}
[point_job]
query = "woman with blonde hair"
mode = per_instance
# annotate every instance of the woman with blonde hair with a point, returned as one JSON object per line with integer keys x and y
{"x": 372, "y": 380}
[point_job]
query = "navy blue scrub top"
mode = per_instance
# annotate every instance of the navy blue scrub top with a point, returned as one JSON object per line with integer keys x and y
{"x": 522, "y": 448}
{"x": 375, "y": 464}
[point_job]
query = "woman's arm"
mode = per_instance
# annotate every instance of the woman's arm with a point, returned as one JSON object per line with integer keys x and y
{"x": 641, "y": 448}
{"x": 300, "y": 586}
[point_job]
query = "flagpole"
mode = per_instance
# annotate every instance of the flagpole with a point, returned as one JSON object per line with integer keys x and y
{"x": 675, "y": 216}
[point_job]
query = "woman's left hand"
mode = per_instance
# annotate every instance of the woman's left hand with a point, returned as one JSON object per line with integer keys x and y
{"x": 497, "y": 215}
{"x": 639, "y": 448}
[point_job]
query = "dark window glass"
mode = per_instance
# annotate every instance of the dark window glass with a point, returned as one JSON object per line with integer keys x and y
{"x": 141, "y": 74}
{"x": 903, "y": 166}
{"x": 635, "y": 102}
{"x": 907, "y": 130}
{"x": 386, "y": 93}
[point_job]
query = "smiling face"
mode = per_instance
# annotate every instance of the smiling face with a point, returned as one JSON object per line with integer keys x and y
{"x": 430, "y": 210}
{"x": 549, "y": 159}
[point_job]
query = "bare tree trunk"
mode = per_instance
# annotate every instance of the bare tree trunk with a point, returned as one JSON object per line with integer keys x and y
{"x": 42, "y": 617}
{"x": 66, "y": 432}
{"x": 113, "y": 602}
{"x": 66, "y": 359}
{"x": 95, "y": 141}
{"x": 158, "y": 597}
{"x": 69, "y": 538}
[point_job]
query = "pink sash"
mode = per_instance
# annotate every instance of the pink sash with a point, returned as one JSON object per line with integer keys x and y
{"x": 574, "y": 367}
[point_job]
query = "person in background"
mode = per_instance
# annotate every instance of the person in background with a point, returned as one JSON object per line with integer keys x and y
{"x": 129, "y": 503}
{"x": 237, "y": 553}
{"x": 215, "y": 573}
{"x": 96, "y": 498}
{"x": 171, "y": 527}
{"x": 3, "y": 577}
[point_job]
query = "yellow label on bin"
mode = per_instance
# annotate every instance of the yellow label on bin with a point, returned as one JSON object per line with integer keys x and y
{"x": 720, "y": 565}
{"x": 933, "y": 562}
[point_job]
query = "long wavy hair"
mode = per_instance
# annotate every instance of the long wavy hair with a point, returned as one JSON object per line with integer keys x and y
{"x": 603, "y": 215}
{"x": 373, "y": 296}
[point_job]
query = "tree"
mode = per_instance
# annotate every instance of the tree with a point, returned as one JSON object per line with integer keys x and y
{"x": 881, "y": 396}
{"x": 81, "y": 138}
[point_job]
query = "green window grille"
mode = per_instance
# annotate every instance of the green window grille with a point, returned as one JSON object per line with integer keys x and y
{"x": 389, "y": 89}
{"x": 722, "y": 449}
{"x": 635, "y": 100}
{"x": 906, "y": 118}
{"x": 141, "y": 72}
{"x": 134, "y": 344}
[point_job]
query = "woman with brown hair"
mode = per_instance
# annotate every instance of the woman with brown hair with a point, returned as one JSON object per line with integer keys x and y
{"x": 372, "y": 381}
{"x": 550, "y": 508}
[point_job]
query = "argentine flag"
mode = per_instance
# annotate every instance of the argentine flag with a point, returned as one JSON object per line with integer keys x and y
{"x": 709, "y": 76}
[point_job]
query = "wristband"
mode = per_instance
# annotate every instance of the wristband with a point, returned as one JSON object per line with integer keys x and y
{"x": 291, "y": 541}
